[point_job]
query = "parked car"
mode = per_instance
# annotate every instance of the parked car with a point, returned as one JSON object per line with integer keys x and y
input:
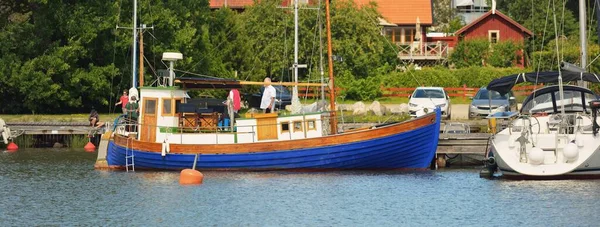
{"x": 425, "y": 99}
{"x": 282, "y": 99}
{"x": 480, "y": 106}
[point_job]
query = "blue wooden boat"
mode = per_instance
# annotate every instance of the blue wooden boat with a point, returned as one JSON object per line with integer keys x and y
{"x": 174, "y": 133}
{"x": 406, "y": 145}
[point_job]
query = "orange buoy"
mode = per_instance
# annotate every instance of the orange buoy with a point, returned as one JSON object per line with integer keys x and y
{"x": 12, "y": 147}
{"x": 89, "y": 147}
{"x": 190, "y": 176}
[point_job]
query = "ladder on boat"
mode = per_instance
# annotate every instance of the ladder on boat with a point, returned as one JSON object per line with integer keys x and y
{"x": 129, "y": 157}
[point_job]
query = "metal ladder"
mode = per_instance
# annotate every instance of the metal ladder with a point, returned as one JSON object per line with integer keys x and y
{"x": 129, "y": 155}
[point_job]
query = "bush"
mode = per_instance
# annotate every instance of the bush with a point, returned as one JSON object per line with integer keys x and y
{"x": 479, "y": 52}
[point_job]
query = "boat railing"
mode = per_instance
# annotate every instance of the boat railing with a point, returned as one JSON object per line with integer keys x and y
{"x": 126, "y": 128}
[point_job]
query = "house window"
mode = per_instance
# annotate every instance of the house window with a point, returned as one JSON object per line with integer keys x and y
{"x": 494, "y": 36}
{"x": 311, "y": 125}
{"x": 285, "y": 127}
{"x": 389, "y": 34}
{"x": 297, "y": 126}
{"x": 397, "y": 35}
{"x": 410, "y": 35}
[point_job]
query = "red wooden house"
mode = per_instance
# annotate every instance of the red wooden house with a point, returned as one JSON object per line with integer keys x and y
{"x": 495, "y": 26}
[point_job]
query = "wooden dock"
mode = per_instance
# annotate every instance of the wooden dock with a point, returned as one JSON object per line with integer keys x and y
{"x": 50, "y": 128}
{"x": 472, "y": 143}
{"x": 449, "y": 144}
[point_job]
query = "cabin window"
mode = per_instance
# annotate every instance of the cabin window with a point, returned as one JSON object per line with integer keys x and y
{"x": 297, "y": 126}
{"x": 285, "y": 127}
{"x": 177, "y": 105}
{"x": 150, "y": 106}
{"x": 311, "y": 125}
{"x": 167, "y": 107}
{"x": 494, "y": 36}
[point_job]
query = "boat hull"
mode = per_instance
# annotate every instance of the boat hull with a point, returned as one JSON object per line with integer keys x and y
{"x": 408, "y": 149}
{"x": 588, "y": 169}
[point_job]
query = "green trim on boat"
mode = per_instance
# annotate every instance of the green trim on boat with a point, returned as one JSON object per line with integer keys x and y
{"x": 168, "y": 129}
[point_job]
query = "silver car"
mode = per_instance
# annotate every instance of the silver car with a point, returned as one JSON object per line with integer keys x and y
{"x": 480, "y": 106}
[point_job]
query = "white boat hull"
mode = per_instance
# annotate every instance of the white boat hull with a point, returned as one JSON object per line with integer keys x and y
{"x": 554, "y": 164}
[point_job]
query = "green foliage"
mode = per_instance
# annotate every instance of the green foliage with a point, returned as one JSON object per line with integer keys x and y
{"x": 504, "y": 54}
{"x": 470, "y": 53}
{"x": 479, "y": 52}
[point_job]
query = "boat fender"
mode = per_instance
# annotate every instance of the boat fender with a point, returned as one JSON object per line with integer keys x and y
{"x": 165, "y": 148}
{"x": 570, "y": 152}
{"x": 536, "y": 156}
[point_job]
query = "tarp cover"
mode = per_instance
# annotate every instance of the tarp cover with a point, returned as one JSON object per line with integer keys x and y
{"x": 505, "y": 84}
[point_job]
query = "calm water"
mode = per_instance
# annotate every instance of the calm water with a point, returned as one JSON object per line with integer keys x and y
{"x": 60, "y": 187}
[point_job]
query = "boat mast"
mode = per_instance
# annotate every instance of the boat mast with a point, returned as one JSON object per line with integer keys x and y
{"x": 583, "y": 38}
{"x": 296, "y": 106}
{"x": 333, "y": 119}
{"x": 141, "y": 57}
{"x": 134, "y": 52}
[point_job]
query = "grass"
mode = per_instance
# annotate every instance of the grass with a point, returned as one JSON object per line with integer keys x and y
{"x": 77, "y": 141}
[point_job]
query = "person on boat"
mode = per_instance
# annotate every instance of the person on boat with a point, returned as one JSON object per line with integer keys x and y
{"x": 132, "y": 113}
{"x": 94, "y": 119}
{"x": 233, "y": 101}
{"x": 123, "y": 100}
{"x": 267, "y": 102}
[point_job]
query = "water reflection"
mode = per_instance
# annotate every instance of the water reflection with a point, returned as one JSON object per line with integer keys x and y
{"x": 60, "y": 187}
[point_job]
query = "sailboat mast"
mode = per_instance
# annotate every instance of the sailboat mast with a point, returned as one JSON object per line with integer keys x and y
{"x": 134, "y": 52}
{"x": 295, "y": 91}
{"x": 141, "y": 58}
{"x": 333, "y": 120}
{"x": 583, "y": 37}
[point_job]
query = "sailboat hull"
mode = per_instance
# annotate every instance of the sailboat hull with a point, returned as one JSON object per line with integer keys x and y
{"x": 407, "y": 145}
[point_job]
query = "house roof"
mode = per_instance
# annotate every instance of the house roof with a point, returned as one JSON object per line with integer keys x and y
{"x": 234, "y": 4}
{"x": 403, "y": 12}
{"x": 488, "y": 14}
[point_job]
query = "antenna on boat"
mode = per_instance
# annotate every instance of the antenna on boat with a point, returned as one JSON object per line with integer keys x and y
{"x": 171, "y": 57}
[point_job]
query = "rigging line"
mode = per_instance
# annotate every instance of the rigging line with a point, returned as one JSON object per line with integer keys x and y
{"x": 561, "y": 92}
{"x": 596, "y": 58}
{"x": 590, "y": 22}
{"x": 218, "y": 45}
{"x": 562, "y": 26}
{"x": 112, "y": 77}
{"x": 195, "y": 74}
{"x": 150, "y": 66}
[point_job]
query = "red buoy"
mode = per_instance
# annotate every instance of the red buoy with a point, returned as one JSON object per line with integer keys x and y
{"x": 89, "y": 147}
{"x": 12, "y": 147}
{"x": 190, "y": 176}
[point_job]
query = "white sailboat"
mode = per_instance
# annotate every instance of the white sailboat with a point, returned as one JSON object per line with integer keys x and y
{"x": 555, "y": 134}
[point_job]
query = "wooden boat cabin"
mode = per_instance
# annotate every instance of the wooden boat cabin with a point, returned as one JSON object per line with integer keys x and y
{"x": 167, "y": 116}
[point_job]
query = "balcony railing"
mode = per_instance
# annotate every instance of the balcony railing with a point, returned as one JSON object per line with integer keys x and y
{"x": 422, "y": 51}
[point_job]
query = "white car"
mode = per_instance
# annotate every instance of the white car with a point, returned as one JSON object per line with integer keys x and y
{"x": 424, "y": 100}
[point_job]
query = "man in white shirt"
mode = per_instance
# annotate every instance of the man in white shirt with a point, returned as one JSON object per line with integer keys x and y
{"x": 267, "y": 102}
